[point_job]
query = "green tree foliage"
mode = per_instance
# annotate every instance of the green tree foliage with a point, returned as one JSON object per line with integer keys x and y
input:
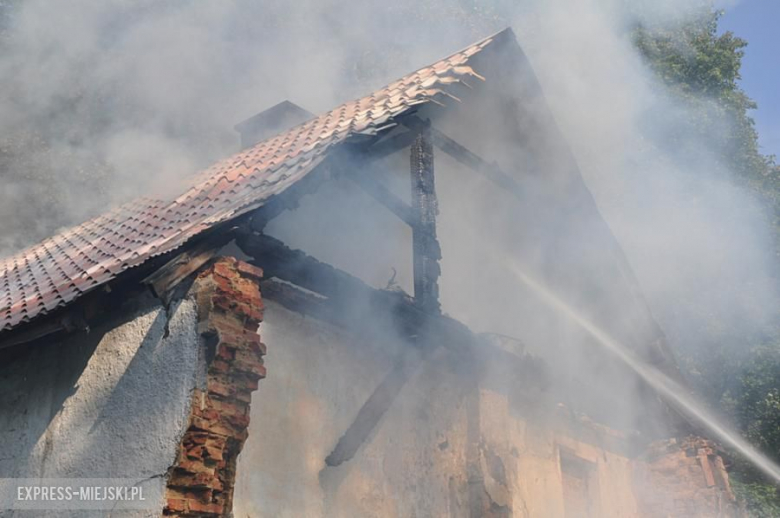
{"x": 759, "y": 399}
{"x": 701, "y": 70}
{"x": 756, "y": 406}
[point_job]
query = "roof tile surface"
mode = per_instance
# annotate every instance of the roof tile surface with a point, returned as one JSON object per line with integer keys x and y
{"x": 60, "y": 269}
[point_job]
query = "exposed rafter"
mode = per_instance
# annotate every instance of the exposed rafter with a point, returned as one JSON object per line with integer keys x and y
{"x": 466, "y": 157}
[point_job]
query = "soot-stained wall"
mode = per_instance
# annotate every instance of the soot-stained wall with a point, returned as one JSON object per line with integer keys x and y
{"x": 318, "y": 379}
{"x": 447, "y": 446}
{"x": 112, "y": 403}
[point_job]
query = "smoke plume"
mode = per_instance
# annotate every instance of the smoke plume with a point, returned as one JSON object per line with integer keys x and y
{"x": 104, "y": 101}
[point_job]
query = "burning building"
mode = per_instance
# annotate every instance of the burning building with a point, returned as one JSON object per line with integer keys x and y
{"x": 376, "y": 247}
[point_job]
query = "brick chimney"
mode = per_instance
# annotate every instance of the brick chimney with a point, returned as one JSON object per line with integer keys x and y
{"x": 270, "y": 122}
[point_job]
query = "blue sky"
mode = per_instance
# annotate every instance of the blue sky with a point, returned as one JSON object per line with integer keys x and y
{"x": 757, "y": 22}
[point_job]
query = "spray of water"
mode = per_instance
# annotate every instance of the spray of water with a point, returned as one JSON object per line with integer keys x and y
{"x": 670, "y": 390}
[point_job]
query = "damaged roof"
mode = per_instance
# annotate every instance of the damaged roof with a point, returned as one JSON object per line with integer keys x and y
{"x": 59, "y": 270}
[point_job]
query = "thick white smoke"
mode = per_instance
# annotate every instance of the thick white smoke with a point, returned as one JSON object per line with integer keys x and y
{"x": 122, "y": 98}
{"x": 698, "y": 242}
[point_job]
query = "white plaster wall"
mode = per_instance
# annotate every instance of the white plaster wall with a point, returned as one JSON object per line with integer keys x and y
{"x": 111, "y": 404}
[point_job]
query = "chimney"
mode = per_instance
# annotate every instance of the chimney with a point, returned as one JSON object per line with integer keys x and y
{"x": 270, "y": 122}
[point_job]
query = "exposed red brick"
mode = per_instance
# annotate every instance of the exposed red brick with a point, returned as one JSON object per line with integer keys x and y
{"x": 202, "y": 480}
{"x": 198, "y": 438}
{"x": 200, "y": 509}
{"x": 239, "y": 421}
{"x": 220, "y": 366}
{"x": 249, "y": 367}
{"x": 684, "y": 479}
{"x": 244, "y": 396}
{"x": 212, "y": 452}
{"x": 220, "y": 388}
{"x": 225, "y": 351}
{"x": 176, "y": 505}
{"x": 252, "y": 384}
{"x": 189, "y": 494}
{"x": 248, "y": 270}
{"x": 258, "y": 347}
{"x": 230, "y": 309}
{"x": 194, "y": 466}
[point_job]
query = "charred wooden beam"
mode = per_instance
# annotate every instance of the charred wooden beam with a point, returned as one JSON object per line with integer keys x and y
{"x": 376, "y": 406}
{"x": 164, "y": 280}
{"x": 425, "y": 334}
{"x": 278, "y": 260}
{"x": 468, "y": 158}
{"x": 343, "y": 290}
{"x": 32, "y": 332}
{"x": 425, "y": 208}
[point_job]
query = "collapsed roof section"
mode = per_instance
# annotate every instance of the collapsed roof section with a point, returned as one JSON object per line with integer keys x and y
{"x": 59, "y": 270}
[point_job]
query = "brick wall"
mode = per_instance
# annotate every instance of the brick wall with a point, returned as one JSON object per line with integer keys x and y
{"x": 229, "y": 310}
{"x": 686, "y": 479}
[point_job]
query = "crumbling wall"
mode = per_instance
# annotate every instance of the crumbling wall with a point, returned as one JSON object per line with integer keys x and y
{"x": 466, "y": 436}
{"x": 111, "y": 403}
{"x": 530, "y": 458}
{"x": 412, "y": 464}
{"x": 684, "y": 479}
{"x": 230, "y": 309}
{"x": 445, "y": 447}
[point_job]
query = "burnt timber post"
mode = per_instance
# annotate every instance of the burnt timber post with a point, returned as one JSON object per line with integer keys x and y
{"x": 425, "y": 246}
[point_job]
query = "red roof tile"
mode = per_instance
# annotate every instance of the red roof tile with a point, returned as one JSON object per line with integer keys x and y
{"x": 57, "y": 271}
